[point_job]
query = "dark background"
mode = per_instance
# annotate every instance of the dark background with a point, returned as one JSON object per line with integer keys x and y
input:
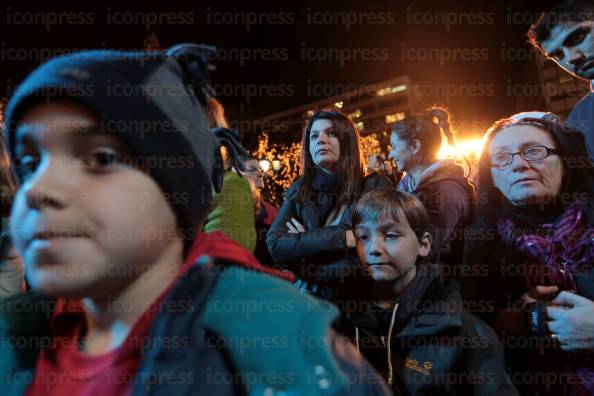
{"x": 493, "y": 29}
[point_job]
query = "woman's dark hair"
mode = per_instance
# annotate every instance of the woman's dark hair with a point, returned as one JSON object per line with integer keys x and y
{"x": 578, "y": 170}
{"x": 215, "y": 114}
{"x": 230, "y": 140}
{"x": 350, "y": 164}
{"x": 429, "y": 129}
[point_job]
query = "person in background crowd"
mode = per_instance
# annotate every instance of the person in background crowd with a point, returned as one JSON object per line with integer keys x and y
{"x": 441, "y": 185}
{"x": 377, "y": 163}
{"x": 312, "y": 234}
{"x": 12, "y": 270}
{"x": 411, "y": 324}
{"x": 118, "y": 308}
{"x": 232, "y": 209}
{"x": 264, "y": 211}
{"x": 565, "y": 34}
{"x": 528, "y": 257}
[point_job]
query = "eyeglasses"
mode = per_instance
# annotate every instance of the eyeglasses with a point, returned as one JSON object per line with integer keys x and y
{"x": 531, "y": 153}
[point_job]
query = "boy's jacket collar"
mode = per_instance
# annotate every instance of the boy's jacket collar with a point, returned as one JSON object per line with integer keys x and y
{"x": 423, "y": 308}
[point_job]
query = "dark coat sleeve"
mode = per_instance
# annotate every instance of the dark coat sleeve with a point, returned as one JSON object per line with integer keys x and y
{"x": 486, "y": 361}
{"x": 362, "y": 378}
{"x": 492, "y": 279}
{"x": 290, "y": 249}
{"x": 582, "y": 119}
{"x": 374, "y": 181}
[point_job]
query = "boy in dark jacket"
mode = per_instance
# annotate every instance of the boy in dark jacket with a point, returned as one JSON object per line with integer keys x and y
{"x": 414, "y": 329}
{"x": 117, "y": 164}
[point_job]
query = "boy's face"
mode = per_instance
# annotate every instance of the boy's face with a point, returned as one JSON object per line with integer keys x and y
{"x": 571, "y": 46}
{"x": 389, "y": 249}
{"x": 85, "y": 223}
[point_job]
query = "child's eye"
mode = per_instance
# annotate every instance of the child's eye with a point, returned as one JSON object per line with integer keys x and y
{"x": 361, "y": 237}
{"x": 332, "y": 133}
{"x": 391, "y": 235}
{"x": 26, "y": 166}
{"x": 313, "y": 136}
{"x": 101, "y": 158}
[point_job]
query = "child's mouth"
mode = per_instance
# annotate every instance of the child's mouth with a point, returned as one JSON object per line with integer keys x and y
{"x": 44, "y": 235}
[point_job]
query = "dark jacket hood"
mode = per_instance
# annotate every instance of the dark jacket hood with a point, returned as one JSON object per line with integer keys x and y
{"x": 444, "y": 170}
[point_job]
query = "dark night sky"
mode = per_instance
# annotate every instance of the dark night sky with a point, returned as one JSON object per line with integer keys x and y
{"x": 471, "y": 45}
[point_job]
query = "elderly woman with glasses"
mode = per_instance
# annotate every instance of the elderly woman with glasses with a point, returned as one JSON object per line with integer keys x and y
{"x": 529, "y": 256}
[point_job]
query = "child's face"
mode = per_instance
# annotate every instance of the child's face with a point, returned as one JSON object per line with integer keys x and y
{"x": 86, "y": 224}
{"x": 389, "y": 249}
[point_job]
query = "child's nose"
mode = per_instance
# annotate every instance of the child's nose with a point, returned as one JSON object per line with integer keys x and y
{"x": 45, "y": 189}
{"x": 375, "y": 249}
{"x": 374, "y": 253}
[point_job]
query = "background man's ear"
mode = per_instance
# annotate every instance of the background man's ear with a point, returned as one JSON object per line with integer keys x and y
{"x": 415, "y": 146}
{"x": 424, "y": 244}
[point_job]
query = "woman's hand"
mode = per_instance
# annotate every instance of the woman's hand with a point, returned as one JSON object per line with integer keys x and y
{"x": 294, "y": 226}
{"x": 537, "y": 293}
{"x": 351, "y": 241}
{"x": 572, "y": 322}
{"x": 12, "y": 275}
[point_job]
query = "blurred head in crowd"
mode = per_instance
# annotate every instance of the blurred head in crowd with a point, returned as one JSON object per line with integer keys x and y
{"x": 416, "y": 140}
{"x": 254, "y": 171}
{"x": 565, "y": 34}
{"x": 104, "y": 193}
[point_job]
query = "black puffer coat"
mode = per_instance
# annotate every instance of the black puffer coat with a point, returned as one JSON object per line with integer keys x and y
{"x": 436, "y": 346}
{"x": 319, "y": 257}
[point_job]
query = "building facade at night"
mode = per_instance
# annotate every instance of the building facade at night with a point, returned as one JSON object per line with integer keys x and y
{"x": 373, "y": 108}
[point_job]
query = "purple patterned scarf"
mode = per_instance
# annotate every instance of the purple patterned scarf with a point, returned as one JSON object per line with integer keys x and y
{"x": 559, "y": 249}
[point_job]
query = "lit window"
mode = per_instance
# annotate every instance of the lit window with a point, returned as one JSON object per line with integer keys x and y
{"x": 391, "y": 90}
{"x": 355, "y": 114}
{"x": 391, "y": 118}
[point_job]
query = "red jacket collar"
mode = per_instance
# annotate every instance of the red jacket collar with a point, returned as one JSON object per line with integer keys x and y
{"x": 219, "y": 246}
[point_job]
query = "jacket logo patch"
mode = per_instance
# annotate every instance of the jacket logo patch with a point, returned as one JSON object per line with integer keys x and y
{"x": 413, "y": 364}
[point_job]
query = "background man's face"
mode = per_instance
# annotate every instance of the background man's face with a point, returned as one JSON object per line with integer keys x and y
{"x": 571, "y": 46}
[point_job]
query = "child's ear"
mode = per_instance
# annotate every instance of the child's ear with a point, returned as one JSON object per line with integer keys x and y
{"x": 424, "y": 244}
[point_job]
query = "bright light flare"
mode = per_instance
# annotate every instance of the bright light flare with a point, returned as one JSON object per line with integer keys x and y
{"x": 265, "y": 165}
{"x": 469, "y": 148}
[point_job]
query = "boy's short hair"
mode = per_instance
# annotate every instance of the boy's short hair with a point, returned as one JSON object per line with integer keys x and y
{"x": 395, "y": 205}
{"x": 569, "y": 11}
